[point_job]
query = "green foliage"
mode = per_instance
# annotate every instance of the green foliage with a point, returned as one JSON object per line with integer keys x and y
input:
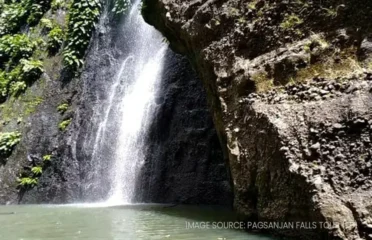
{"x": 62, "y": 108}
{"x": 37, "y": 11}
{"x": 252, "y": 5}
{"x": 13, "y": 16}
{"x": 32, "y": 66}
{"x": 55, "y": 34}
{"x": 15, "y": 74}
{"x": 64, "y": 124}
{"x": 15, "y": 82}
{"x": 4, "y": 81}
{"x": 29, "y": 179}
{"x": 55, "y": 39}
{"x": 72, "y": 59}
{"x": 8, "y": 141}
{"x": 27, "y": 182}
{"x": 36, "y": 14}
{"x": 37, "y": 170}
{"x": 58, "y": 4}
{"x": 15, "y": 47}
{"x": 17, "y": 13}
{"x": 31, "y": 69}
{"x": 47, "y": 158}
{"x": 120, "y": 6}
{"x": 82, "y": 17}
{"x": 31, "y": 105}
{"x": 17, "y": 69}
{"x": 330, "y": 12}
{"x": 46, "y": 23}
{"x": 17, "y": 88}
{"x": 290, "y": 22}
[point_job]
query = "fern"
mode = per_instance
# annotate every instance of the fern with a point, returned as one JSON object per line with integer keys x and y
{"x": 27, "y": 182}
{"x": 37, "y": 170}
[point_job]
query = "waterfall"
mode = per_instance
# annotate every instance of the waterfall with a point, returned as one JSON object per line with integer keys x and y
{"x": 129, "y": 107}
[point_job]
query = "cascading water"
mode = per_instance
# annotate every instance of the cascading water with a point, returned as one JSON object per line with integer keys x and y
{"x": 129, "y": 108}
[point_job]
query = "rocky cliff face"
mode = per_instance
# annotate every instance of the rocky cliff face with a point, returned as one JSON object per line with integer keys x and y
{"x": 185, "y": 163}
{"x": 289, "y": 84}
{"x": 69, "y": 173}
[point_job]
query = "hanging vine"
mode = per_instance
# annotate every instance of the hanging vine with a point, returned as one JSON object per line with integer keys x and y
{"x": 82, "y": 17}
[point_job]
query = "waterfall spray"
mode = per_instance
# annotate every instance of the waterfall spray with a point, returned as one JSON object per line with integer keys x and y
{"x": 136, "y": 106}
{"x": 130, "y": 106}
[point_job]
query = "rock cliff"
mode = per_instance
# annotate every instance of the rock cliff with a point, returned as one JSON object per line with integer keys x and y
{"x": 289, "y": 85}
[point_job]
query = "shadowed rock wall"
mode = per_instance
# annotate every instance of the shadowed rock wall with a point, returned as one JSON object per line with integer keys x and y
{"x": 185, "y": 163}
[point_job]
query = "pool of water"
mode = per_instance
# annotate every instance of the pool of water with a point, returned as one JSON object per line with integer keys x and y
{"x": 139, "y": 222}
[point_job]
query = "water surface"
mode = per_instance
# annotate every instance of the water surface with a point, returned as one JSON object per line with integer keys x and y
{"x": 139, "y": 222}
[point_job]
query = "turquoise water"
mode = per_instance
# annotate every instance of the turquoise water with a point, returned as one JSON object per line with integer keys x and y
{"x": 43, "y": 222}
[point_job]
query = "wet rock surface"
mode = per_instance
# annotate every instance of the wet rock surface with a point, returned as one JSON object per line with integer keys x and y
{"x": 40, "y": 137}
{"x": 185, "y": 163}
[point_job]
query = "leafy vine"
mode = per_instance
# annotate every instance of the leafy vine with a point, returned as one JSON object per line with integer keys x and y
{"x": 82, "y": 17}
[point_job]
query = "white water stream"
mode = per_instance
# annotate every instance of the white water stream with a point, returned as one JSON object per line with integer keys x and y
{"x": 132, "y": 99}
